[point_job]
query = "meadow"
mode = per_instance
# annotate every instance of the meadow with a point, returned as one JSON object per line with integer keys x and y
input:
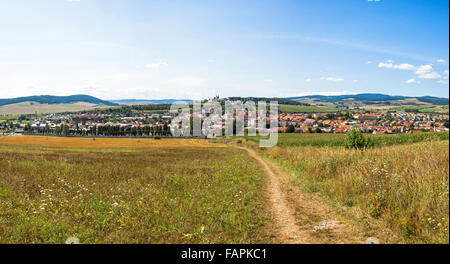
{"x": 32, "y": 107}
{"x": 401, "y": 184}
{"x": 338, "y": 140}
{"x": 130, "y": 195}
{"x": 125, "y": 190}
{"x": 87, "y": 142}
{"x": 285, "y": 108}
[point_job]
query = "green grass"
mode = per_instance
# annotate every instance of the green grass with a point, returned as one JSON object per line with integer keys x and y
{"x": 425, "y": 110}
{"x": 338, "y": 140}
{"x": 403, "y": 188}
{"x": 303, "y": 109}
{"x": 155, "y": 195}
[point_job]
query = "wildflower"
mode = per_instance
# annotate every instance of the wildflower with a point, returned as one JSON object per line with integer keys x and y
{"x": 72, "y": 240}
{"x": 372, "y": 240}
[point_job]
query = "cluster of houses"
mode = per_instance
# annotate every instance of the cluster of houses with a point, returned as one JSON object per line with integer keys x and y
{"x": 376, "y": 123}
{"x": 151, "y": 123}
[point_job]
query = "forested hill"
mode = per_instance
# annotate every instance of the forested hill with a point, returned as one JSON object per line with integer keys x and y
{"x": 50, "y": 99}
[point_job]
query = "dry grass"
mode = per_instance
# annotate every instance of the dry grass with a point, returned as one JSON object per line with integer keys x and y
{"x": 105, "y": 142}
{"x": 147, "y": 195}
{"x": 32, "y": 107}
{"x": 405, "y": 187}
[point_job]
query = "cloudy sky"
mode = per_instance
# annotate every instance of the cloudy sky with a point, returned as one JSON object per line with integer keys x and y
{"x": 116, "y": 49}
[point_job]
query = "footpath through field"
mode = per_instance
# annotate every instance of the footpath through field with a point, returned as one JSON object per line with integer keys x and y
{"x": 300, "y": 218}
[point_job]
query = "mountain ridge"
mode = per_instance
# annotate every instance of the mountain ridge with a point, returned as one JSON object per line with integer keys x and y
{"x": 372, "y": 97}
{"x": 52, "y": 99}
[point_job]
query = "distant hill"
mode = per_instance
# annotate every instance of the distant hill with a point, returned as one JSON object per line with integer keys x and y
{"x": 372, "y": 97}
{"x": 378, "y": 102}
{"x": 149, "y": 101}
{"x": 50, "y": 99}
{"x": 51, "y": 104}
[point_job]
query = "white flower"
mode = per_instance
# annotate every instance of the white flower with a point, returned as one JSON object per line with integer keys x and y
{"x": 72, "y": 240}
{"x": 372, "y": 240}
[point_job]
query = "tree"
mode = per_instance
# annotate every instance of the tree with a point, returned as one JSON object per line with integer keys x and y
{"x": 356, "y": 140}
{"x": 290, "y": 129}
{"x": 65, "y": 130}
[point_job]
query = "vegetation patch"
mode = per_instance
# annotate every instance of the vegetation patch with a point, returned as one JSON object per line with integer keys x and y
{"x": 405, "y": 187}
{"x": 157, "y": 195}
{"x": 340, "y": 140}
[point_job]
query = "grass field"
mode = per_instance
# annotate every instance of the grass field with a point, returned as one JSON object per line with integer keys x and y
{"x": 393, "y": 105}
{"x": 404, "y": 187}
{"x": 72, "y": 142}
{"x": 32, "y": 107}
{"x": 284, "y": 108}
{"x": 195, "y": 191}
{"x": 148, "y": 195}
{"x": 338, "y": 140}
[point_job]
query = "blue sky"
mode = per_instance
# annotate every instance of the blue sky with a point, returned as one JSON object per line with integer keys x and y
{"x": 116, "y": 49}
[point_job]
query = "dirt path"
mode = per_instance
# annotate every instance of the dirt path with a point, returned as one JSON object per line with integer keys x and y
{"x": 301, "y": 218}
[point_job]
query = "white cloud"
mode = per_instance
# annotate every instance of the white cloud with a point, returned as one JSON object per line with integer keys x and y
{"x": 412, "y": 80}
{"x": 431, "y": 75}
{"x": 368, "y": 62}
{"x": 443, "y": 82}
{"x": 373, "y": 0}
{"x": 422, "y": 71}
{"x": 308, "y": 80}
{"x": 332, "y": 79}
{"x": 157, "y": 64}
{"x": 426, "y": 72}
{"x": 440, "y": 60}
{"x": 268, "y": 80}
{"x": 73, "y": 0}
{"x": 355, "y": 81}
{"x": 390, "y": 65}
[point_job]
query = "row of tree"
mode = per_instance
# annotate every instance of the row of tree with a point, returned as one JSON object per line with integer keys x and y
{"x": 65, "y": 130}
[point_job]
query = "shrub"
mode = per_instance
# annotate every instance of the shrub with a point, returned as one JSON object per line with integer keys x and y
{"x": 357, "y": 140}
{"x": 157, "y": 137}
{"x": 290, "y": 129}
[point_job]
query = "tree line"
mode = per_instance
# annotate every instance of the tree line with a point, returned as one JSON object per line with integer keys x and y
{"x": 65, "y": 130}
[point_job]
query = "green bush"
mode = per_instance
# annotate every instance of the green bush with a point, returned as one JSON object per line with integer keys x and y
{"x": 357, "y": 140}
{"x": 157, "y": 137}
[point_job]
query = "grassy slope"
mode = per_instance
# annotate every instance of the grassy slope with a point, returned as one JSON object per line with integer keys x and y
{"x": 401, "y": 184}
{"x": 173, "y": 195}
{"x": 31, "y": 108}
{"x": 304, "y": 109}
{"x": 338, "y": 140}
{"x": 395, "y": 105}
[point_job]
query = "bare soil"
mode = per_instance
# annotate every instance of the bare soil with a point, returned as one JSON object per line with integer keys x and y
{"x": 300, "y": 217}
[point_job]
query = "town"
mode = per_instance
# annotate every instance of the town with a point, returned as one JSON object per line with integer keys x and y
{"x": 158, "y": 124}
